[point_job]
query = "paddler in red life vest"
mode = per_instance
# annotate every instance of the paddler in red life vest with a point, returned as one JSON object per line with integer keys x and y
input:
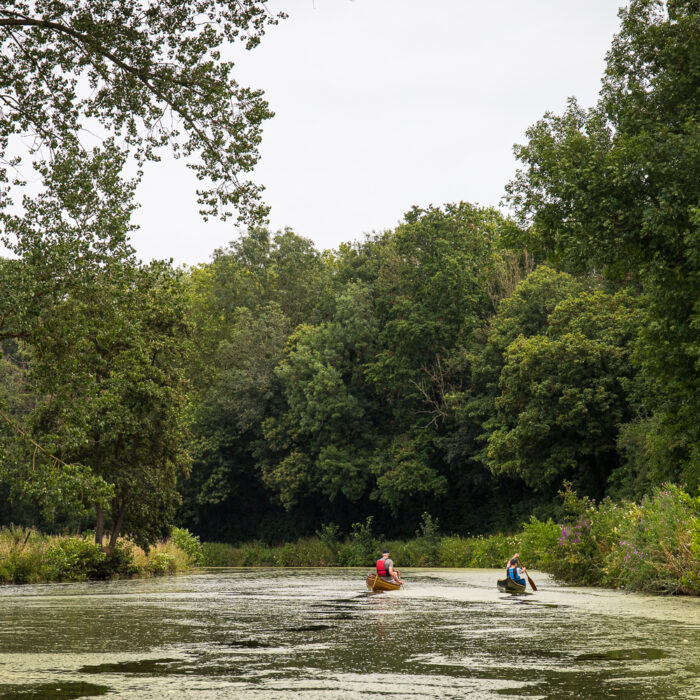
{"x": 385, "y": 568}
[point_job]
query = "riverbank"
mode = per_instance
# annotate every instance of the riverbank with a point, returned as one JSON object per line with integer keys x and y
{"x": 652, "y": 546}
{"x": 28, "y": 556}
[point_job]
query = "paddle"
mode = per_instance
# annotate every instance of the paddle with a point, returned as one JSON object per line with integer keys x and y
{"x": 529, "y": 580}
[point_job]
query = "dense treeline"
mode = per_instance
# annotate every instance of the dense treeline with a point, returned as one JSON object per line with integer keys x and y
{"x": 445, "y": 373}
{"x": 465, "y": 364}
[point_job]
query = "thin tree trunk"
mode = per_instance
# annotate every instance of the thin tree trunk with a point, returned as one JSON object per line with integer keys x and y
{"x": 100, "y": 527}
{"x": 116, "y": 526}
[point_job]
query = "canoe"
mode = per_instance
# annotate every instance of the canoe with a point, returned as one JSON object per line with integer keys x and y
{"x": 375, "y": 583}
{"x": 507, "y": 585}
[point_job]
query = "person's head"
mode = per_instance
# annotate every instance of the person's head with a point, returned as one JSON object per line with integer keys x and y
{"x": 385, "y": 553}
{"x": 514, "y": 562}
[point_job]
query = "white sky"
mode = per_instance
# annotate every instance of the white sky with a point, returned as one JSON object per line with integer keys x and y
{"x": 383, "y": 104}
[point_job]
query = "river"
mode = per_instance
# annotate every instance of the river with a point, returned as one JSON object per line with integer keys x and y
{"x": 316, "y": 633}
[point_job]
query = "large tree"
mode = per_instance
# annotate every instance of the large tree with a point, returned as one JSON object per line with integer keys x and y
{"x": 616, "y": 188}
{"x": 110, "y": 370}
{"x": 105, "y": 338}
{"x": 86, "y": 87}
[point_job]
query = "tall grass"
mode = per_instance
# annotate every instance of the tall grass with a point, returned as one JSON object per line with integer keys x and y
{"x": 27, "y": 556}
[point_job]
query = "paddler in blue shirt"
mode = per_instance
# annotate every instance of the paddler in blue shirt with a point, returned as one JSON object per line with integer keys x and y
{"x": 514, "y": 571}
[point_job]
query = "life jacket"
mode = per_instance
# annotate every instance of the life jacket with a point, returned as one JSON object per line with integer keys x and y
{"x": 381, "y": 569}
{"x": 511, "y": 572}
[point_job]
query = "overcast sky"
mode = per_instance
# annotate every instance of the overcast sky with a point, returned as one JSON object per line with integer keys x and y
{"x": 383, "y": 104}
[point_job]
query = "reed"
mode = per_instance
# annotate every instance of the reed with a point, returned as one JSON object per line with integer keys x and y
{"x": 28, "y": 556}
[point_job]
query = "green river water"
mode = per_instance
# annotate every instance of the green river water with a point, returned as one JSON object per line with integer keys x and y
{"x": 317, "y": 633}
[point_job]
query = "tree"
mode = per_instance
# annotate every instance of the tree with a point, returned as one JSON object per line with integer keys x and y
{"x": 328, "y": 435}
{"x": 110, "y": 365}
{"x": 616, "y": 188}
{"x": 525, "y": 312}
{"x": 145, "y": 75}
{"x": 87, "y": 86}
{"x": 72, "y": 231}
{"x": 563, "y": 395}
{"x": 106, "y": 339}
{"x": 434, "y": 291}
{"x": 237, "y": 390}
{"x": 244, "y": 305}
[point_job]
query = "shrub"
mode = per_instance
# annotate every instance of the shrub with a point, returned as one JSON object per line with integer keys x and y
{"x": 120, "y": 562}
{"x": 425, "y": 546}
{"x": 329, "y": 535}
{"x": 538, "y": 543}
{"x": 316, "y": 552}
{"x": 491, "y": 552}
{"x": 286, "y": 555}
{"x": 27, "y": 556}
{"x": 72, "y": 559}
{"x": 188, "y": 543}
{"x": 221, "y": 554}
{"x": 161, "y": 563}
{"x": 453, "y": 552}
{"x": 653, "y": 545}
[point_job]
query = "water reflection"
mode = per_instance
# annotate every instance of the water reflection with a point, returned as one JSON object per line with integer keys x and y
{"x": 281, "y": 633}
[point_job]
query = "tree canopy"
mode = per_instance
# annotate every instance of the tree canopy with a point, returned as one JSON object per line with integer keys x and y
{"x": 616, "y": 188}
{"x": 140, "y": 76}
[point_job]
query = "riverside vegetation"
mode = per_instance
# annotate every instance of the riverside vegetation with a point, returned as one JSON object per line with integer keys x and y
{"x": 27, "y": 556}
{"x": 653, "y": 546}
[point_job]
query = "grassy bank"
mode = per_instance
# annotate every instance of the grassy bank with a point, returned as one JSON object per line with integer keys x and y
{"x": 652, "y": 546}
{"x": 27, "y": 556}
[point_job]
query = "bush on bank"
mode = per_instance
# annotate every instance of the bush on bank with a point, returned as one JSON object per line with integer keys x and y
{"x": 652, "y": 546}
{"x": 27, "y": 556}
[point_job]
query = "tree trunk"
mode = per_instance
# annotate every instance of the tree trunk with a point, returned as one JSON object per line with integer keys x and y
{"x": 100, "y": 527}
{"x": 116, "y": 524}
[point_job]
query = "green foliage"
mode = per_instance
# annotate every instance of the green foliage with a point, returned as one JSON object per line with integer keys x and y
{"x": 119, "y": 562}
{"x": 653, "y": 545}
{"x": 244, "y": 306}
{"x": 20, "y": 556}
{"x": 538, "y": 542}
{"x": 563, "y": 394}
{"x": 325, "y": 439}
{"x": 644, "y": 547}
{"x": 157, "y": 79}
{"x": 188, "y": 543}
{"x": 161, "y": 564}
{"x": 429, "y": 528}
{"x": 361, "y": 548}
{"x": 220, "y": 554}
{"x": 26, "y": 556}
{"x": 73, "y": 559}
{"x": 329, "y": 536}
{"x": 616, "y": 188}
